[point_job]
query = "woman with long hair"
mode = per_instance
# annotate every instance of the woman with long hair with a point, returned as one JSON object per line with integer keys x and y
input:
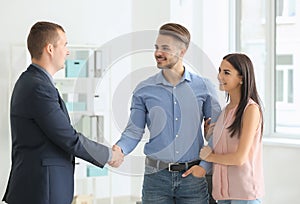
{"x": 236, "y": 152}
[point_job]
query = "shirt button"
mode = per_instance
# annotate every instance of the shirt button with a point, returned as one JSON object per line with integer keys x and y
{"x": 177, "y": 152}
{"x": 177, "y": 135}
{"x": 175, "y": 102}
{"x": 176, "y": 118}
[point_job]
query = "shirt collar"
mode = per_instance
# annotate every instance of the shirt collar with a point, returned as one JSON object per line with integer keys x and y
{"x": 43, "y": 70}
{"x": 160, "y": 79}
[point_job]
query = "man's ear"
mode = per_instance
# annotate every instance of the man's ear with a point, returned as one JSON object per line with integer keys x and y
{"x": 49, "y": 48}
{"x": 182, "y": 52}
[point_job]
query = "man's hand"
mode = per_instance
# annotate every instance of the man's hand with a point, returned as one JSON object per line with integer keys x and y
{"x": 196, "y": 171}
{"x": 117, "y": 156}
{"x": 208, "y": 128}
{"x": 205, "y": 152}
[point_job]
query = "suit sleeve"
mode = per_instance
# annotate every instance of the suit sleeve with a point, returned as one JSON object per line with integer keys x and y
{"x": 55, "y": 124}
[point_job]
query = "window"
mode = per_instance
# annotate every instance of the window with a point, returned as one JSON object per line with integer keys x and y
{"x": 285, "y": 8}
{"x": 284, "y": 79}
{"x": 287, "y": 75}
{"x": 285, "y": 11}
{"x": 271, "y": 38}
{"x": 253, "y": 41}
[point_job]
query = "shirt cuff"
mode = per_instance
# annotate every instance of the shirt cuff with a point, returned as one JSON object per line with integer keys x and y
{"x": 207, "y": 166}
{"x": 127, "y": 144}
{"x": 109, "y": 154}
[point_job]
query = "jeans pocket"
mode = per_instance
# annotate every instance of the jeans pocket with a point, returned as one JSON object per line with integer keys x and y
{"x": 150, "y": 170}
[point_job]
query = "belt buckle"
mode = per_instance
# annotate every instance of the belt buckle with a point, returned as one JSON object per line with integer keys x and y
{"x": 172, "y": 164}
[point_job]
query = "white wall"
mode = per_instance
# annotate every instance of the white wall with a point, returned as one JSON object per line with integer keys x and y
{"x": 281, "y": 171}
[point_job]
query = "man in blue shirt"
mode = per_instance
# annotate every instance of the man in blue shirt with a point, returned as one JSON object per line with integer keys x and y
{"x": 173, "y": 104}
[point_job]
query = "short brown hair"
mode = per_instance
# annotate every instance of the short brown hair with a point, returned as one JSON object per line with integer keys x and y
{"x": 42, "y": 33}
{"x": 177, "y": 31}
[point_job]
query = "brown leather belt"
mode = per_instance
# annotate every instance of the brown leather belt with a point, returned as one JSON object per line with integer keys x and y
{"x": 172, "y": 167}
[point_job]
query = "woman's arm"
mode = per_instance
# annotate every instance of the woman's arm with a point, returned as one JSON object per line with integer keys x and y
{"x": 251, "y": 120}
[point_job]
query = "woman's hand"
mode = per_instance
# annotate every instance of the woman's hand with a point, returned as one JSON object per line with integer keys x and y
{"x": 205, "y": 152}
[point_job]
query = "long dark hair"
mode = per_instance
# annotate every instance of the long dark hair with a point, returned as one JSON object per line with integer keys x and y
{"x": 244, "y": 66}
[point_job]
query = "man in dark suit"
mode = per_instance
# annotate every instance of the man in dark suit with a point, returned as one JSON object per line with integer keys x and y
{"x": 44, "y": 143}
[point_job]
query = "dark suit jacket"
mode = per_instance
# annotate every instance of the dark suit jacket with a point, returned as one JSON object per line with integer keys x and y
{"x": 44, "y": 144}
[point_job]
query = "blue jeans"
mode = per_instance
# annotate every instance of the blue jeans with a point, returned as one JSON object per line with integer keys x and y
{"x": 257, "y": 201}
{"x": 164, "y": 187}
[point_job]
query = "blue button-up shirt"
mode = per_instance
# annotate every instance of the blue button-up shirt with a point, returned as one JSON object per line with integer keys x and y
{"x": 173, "y": 115}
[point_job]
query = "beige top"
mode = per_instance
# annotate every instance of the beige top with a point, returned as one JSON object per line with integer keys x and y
{"x": 244, "y": 182}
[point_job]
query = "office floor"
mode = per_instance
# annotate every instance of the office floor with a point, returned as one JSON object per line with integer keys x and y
{"x": 86, "y": 199}
{"x": 123, "y": 200}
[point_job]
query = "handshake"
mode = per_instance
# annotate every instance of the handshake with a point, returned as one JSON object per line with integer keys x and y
{"x": 117, "y": 156}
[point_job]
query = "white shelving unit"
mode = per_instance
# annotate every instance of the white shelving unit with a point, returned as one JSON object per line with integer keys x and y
{"x": 77, "y": 84}
{"x": 88, "y": 94}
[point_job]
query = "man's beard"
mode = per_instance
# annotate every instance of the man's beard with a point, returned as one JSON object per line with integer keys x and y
{"x": 168, "y": 66}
